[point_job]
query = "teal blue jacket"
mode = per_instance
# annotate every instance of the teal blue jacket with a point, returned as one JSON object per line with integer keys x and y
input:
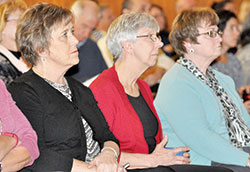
{"x": 192, "y": 116}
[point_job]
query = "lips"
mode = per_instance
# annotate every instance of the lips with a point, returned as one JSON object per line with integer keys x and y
{"x": 76, "y": 51}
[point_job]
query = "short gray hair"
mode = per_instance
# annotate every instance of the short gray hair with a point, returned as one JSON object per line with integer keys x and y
{"x": 125, "y": 28}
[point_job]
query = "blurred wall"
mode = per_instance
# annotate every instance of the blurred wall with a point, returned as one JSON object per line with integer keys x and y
{"x": 168, "y": 5}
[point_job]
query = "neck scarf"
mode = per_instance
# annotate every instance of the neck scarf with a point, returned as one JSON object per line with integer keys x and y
{"x": 238, "y": 131}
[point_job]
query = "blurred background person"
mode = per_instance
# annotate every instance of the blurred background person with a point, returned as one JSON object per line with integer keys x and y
{"x": 243, "y": 53}
{"x": 18, "y": 141}
{"x": 157, "y": 12}
{"x": 184, "y": 4}
{"x": 86, "y": 14}
{"x": 223, "y": 5}
{"x": 227, "y": 62}
{"x": 126, "y": 101}
{"x": 199, "y": 106}
{"x": 106, "y": 17}
{"x": 12, "y": 64}
{"x": 244, "y": 10}
{"x": 72, "y": 132}
{"x": 135, "y": 5}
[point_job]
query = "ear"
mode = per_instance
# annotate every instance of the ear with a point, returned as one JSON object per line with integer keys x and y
{"x": 187, "y": 45}
{"x": 43, "y": 54}
{"x": 125, "y": 10}
{"x": 127, "y": 46}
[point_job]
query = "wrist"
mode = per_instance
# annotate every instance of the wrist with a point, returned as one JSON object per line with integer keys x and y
{"x": 13, "y": 136}
{"x": 111, "y": 149}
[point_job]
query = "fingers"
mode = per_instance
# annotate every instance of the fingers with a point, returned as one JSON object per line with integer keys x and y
{"x": 91, "y": 164}
{"x": 186, "y": 155}
{"x": 121, "y": 169}
{"x": 181, "y": 149}
{"x": 108, "y": 168}
{"x": 183, "y": 160}
{"x": 164, "y": 141}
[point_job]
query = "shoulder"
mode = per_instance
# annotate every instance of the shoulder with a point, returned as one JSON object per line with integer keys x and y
{"x": 222, "y": 78}
{"x": 107, "y": 78}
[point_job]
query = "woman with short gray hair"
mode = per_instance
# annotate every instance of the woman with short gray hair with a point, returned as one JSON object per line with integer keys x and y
{"x": 127, "y": 103}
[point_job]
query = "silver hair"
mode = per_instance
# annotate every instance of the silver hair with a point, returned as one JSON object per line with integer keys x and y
{"x": 125, "y": 28}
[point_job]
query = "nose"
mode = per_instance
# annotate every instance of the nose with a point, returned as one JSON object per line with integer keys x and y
{"x": 74, "y": 40}
{"x": 219, "y": 37}
{"x": 159, "y": 43}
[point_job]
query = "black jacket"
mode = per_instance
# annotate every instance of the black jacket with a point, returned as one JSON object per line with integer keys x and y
{"x": 57, "y": 121}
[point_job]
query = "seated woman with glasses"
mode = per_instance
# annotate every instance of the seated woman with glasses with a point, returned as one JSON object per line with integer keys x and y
{"x": 198, "y": 106}
{"x": 126, "y": 101}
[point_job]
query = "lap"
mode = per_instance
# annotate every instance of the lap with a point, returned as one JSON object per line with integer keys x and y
{"x": 234, "y": 168}
{"x": 198, "y": 168}
{"x": 183, "y": 168}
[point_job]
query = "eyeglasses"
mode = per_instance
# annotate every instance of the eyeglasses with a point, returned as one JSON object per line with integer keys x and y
{"x": 153, "y": 37}
{"x": 11, "y": 20}
{"x": 212, "y": 33}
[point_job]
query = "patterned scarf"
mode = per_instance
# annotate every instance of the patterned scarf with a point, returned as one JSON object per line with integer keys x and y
{"x": 238, "y": 131}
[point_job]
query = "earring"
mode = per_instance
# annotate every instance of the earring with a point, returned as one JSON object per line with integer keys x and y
{"x": 43, "y": 59}
{"x": 191, "y": 50}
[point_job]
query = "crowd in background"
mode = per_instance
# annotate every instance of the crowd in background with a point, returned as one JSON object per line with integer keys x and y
{"x": 82, "y": 90}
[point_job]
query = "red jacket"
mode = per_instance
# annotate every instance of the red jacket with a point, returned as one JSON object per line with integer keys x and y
{"x": 119, "y": 113}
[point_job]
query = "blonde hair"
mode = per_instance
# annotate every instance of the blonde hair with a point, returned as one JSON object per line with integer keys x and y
{"x": 244, "y": 10}
{"x": 6, "y": 9}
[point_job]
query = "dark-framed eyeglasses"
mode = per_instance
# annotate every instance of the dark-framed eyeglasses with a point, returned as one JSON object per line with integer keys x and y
{"x": 212, "y": 33}
{"x": 153, "y": 37}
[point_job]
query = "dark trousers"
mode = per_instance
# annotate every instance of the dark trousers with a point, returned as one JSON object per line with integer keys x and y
{"x": 184, "y": 168}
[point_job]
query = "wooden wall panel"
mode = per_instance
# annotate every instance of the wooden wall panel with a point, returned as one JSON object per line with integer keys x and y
{"x": 168, "y": 5}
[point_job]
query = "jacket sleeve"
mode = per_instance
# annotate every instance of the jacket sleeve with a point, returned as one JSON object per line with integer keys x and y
{"x": 98, "y": 123}
{"x": 28, "y": 101}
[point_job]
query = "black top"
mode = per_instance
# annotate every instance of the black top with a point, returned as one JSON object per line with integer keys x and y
{"x": 57, "y": 121}
{"x": 164, "y": 37}
{"x": 148, "y": 120}
{"x": 8, "y": 72}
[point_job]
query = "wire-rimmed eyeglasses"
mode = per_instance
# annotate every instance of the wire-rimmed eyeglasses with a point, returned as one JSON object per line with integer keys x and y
{"x": 212, "y": 33}
{"x": 153, "y": 37}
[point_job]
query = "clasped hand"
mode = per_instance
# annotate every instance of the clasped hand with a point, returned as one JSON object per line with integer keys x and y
{"x": 106, "y": 162}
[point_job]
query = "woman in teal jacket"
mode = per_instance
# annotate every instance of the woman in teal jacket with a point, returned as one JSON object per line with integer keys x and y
{"x": 199, "y": 107}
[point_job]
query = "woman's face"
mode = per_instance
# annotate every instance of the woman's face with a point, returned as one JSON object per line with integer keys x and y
{"x": 159, "y": 17}
{"x": 63, "y": 51}
{"x": 11, "y": 24}
{"x": 146, "y": 48}
{"x": 230, "y": 34}
{"x": 209, "y": 42}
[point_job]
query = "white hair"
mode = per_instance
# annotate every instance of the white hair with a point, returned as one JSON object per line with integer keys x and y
{"x": 125, "y": 28}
